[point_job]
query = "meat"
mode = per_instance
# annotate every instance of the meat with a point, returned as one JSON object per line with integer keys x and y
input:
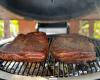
{"x": 73, "y": 48}
{"x": 32, "y": 47}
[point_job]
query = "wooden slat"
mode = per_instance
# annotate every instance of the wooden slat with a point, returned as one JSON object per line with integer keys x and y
{"x": 91, "y": 28}
{"x": 95, "y": 15}
{"x": 6, "y": 14}
{"x": 74, "y": 26}
{"x": 26, "y": 26}
{"x": 6, "y": 28}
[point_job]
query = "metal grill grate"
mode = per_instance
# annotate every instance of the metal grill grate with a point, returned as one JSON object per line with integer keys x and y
{"x": 51, "y": 67}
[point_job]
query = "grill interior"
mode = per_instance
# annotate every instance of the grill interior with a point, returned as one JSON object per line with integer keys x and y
{"x": 51, "y": 67}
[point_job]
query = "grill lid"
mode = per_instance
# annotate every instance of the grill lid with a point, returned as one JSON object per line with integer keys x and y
{"x": 49, "y": 10}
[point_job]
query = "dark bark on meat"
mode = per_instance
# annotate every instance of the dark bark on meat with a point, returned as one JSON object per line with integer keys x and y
{"x": 32, "y": 47}
{"x": 73, "y": 48}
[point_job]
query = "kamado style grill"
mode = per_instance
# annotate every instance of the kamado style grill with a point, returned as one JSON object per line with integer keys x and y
{"x": 51, "y": 11}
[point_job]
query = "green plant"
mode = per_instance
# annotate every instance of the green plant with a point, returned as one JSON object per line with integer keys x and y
{"x": 1, "y": 29}
{"x": 14, "y": 27}
{"x": 97, "y": 29}
{"x": 84, "y": 29}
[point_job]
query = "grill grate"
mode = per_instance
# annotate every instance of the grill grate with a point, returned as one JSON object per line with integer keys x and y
{"x": 51, "y": 67}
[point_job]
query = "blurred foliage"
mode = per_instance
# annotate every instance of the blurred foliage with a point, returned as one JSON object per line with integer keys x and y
{"x": 84, "y": 29}
{"x": 14, "y": 27}
{"x": 1, "y": 28}
{"x": 97, "y": 30}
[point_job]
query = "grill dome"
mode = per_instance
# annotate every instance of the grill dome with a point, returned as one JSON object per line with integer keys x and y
{"x": 51, "y": 9}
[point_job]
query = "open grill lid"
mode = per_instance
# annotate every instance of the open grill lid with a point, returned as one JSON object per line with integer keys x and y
{"x": 51, "y": 10}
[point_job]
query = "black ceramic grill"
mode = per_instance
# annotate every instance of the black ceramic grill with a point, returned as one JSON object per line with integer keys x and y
{"x": 51, "y": 67}
{"x": 51, "y": 10}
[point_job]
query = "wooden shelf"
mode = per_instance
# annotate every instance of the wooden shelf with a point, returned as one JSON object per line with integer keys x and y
{"x": 6, "y": 14}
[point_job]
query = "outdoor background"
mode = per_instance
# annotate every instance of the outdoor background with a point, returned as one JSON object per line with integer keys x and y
{"x": 13, "y": 26}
